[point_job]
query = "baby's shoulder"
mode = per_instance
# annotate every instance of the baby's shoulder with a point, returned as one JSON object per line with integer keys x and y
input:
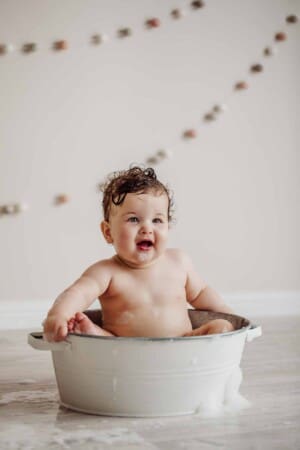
{"x": 103, "y": 267}
{"x": 182, "y": 260}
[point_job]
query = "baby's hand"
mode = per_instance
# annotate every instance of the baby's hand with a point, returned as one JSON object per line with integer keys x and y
{"x": 55, "y": 328}
{"x": 71, "y": 324}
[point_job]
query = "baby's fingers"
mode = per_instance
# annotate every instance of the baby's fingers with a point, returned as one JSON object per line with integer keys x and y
{"x": 61, "y": 333}
{"x": 47, "y": 336}
{"x": 71, "y": 325}
{"x": 48, "y": 332}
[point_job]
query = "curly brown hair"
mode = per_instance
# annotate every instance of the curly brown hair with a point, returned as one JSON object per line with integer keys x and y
{"x": 134, "y": 180}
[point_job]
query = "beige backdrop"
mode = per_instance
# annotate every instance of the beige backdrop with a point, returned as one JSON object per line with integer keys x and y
{"x": 69, "y": 118}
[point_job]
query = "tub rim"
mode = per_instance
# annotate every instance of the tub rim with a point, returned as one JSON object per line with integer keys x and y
{"x": 166, "y": 339}
{"x": 244, "y": 329}
{"x": 191, "y": 311}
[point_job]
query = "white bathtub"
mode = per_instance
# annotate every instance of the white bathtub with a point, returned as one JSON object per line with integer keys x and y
{"x": 136, "y": 377}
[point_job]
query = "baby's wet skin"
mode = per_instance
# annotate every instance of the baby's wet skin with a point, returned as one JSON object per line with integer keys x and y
{"x": 144, "y": 289}
{"x": 81, "y": 324}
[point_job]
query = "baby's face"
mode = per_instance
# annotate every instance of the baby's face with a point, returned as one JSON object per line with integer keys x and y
{"x": 138, "y": 229}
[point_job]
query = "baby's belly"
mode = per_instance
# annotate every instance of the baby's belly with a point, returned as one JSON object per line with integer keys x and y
{"x": 155, "y": 322}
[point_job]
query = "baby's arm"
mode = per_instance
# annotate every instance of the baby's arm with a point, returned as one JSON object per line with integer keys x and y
{"x": 79, "y": 296}
{"x": 201, "y": 296}
{"x": 208, "y": 299}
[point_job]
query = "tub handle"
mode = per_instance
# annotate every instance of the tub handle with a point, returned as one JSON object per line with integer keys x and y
{"x": 36, "y": 341}
{"x": 253, "y": 332}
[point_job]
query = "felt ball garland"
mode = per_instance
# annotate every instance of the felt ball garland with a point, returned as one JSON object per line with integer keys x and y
{"x": 99, "y": 38}
{"x": 190, "y": 133}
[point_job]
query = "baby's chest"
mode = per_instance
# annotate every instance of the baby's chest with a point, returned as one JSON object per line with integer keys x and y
{"x": 159, "y": 289}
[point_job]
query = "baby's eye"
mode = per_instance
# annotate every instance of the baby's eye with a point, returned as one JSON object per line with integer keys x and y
{"x": 157, "y": 220}
{"x": 133, "y": 219}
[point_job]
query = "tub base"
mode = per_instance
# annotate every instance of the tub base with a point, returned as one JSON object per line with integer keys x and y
{"x": 110, "y": 414}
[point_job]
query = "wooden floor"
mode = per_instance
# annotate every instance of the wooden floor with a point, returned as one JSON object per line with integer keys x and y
{"x": 30, "y": 417}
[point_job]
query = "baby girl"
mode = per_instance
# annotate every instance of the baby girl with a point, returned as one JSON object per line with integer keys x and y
{"x": 144, "y": 287}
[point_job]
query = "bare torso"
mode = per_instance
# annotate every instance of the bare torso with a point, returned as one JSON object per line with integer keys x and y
{"x": 148, "y": 302}
{"x": 140, "y": 301}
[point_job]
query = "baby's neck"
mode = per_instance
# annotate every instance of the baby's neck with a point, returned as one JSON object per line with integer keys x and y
{"x": 132, "y": 265}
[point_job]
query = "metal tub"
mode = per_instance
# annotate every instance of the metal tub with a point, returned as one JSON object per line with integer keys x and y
{"x": 144, "y": 377}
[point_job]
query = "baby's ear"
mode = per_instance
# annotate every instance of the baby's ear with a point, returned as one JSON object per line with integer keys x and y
{"x": 105, "y": 228}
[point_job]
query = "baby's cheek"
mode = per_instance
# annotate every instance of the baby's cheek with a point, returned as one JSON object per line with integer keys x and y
{"x": 124, "y": 238}
{"x": 163, "y": 238}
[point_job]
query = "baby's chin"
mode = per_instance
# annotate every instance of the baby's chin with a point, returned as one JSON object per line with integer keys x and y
{"x": 144, "y": 257}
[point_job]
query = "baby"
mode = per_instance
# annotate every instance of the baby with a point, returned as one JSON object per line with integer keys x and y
{"x": 144, "y": 287}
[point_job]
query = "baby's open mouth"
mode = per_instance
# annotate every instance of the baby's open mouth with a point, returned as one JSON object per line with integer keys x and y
{"x": 145, "y": 244}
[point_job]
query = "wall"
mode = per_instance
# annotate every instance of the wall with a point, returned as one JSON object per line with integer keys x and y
{"x": 68, "y": 118}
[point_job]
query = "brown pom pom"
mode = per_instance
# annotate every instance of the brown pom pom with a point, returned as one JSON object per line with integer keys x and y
{"x": 29, "y": 47}
{"x": 3, "y": 49}
{"x": 124, "y": 32}
{"x": 270, "y": 51}
{"x": 209, "y": 117}
{"x": 152, "y": 160}
{"x": 257, "y": 68}
{"x": 61, "y": 199}
{"x": 96, "y": 39}
{"x": 190, "y": 134}
{"x": 60, "y": 45}
{"x": 154, "y": 22}
{"x": 176, "y": 13}
{"x": 240, "y": 85}
{"x": 280, "y": 36}
{"x": 197, "y": 4}
{"x": 292, "y": 18}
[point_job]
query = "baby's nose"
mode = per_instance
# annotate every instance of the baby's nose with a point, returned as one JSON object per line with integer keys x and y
{"x": 146, "y": 229}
